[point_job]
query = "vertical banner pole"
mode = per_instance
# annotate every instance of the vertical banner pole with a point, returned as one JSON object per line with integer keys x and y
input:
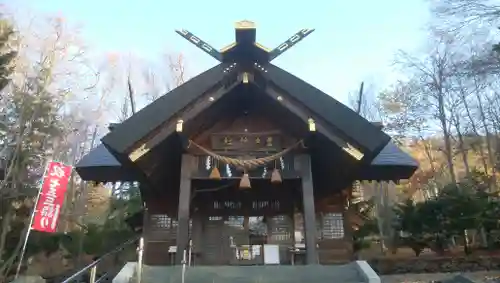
{"x": 33, "y": 211}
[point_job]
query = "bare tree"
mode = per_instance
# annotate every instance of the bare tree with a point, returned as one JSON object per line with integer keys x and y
{"x": 462, "y": 148}
{"x": 177, "y": 67}
{"x": 365, "y": 102}
{"x": 156, "y": 85}
{"x": 433, "y": 86}
{"x": 50, "y": 63}
{"x": 404, "y": 112}
{"x": 485, "y": 125}
{"x": 153, "y": 85}
{"x": 459, "y": 14}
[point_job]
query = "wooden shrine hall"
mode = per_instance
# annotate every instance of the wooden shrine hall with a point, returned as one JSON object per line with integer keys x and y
{"x": 246, "y": 164}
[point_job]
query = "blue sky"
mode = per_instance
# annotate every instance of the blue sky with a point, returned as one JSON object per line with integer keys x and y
{"x": 353, "y": 41}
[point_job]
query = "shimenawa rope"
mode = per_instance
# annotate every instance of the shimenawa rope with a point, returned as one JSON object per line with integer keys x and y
{"x": 249, "y": 163}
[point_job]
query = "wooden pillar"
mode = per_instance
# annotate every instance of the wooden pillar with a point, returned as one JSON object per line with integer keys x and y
{"x": 188, "y": 165}
{"x": 303, "y": 164}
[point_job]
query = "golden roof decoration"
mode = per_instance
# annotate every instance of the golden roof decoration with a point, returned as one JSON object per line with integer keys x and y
{"x": 245, "y": 24}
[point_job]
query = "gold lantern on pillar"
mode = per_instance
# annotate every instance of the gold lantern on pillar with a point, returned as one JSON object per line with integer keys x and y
{"x": 312, "y": 125}
{"x": 179, "y": 125}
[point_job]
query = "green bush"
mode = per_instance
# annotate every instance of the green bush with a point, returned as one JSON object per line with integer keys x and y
{"x": 458, "y": 207}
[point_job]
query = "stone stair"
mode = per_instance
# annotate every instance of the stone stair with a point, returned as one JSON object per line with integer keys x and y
{"x": 348, "y": 273}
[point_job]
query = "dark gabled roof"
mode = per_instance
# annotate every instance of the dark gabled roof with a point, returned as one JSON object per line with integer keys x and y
{"x": 339, "y": 116}
{"x": 124, "y": 135}
{"x": 345, "y": 122}
{"x": 392, "y": 155}
{"x": 98, "y": 157}
{"x": 391, "y": 163}
{"x": 100, "y": 165}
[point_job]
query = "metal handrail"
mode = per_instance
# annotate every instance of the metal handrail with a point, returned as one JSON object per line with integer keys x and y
{"x": 183, "y": 274}
{"x": 92, "y": 267}
{"x": 140, "y": 254}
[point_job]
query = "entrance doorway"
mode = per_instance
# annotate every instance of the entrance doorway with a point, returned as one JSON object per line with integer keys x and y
{"x": 242, "y": 240}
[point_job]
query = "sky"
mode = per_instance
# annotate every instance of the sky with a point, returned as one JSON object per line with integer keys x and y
{"x": 353, "y": 41}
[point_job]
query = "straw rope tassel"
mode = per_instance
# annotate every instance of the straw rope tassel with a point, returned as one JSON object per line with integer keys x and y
{"x": 246, "y": 164}
{"x": 245, "y": 181}
{"x": 215, "y": 173}
{"x": 275, "y": 175}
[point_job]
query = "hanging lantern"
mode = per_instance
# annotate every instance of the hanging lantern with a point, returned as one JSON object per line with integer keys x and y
{"x": 276, "y": 177}
{"x": 245, "y": 182}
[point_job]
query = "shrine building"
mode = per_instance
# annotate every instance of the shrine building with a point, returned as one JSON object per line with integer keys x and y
{"x": 246, "y": 163}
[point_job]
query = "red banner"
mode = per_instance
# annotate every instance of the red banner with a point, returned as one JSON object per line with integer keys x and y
{"x": 51, "y": 199}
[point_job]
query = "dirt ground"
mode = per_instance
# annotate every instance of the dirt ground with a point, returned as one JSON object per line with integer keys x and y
{"x": 480, "y": 277}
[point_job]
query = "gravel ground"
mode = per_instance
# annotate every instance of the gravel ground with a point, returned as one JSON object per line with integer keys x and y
{"x": 479, "y": 277}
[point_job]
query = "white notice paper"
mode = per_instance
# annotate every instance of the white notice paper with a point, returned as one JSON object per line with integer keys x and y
{"x": 271, "y": 254}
